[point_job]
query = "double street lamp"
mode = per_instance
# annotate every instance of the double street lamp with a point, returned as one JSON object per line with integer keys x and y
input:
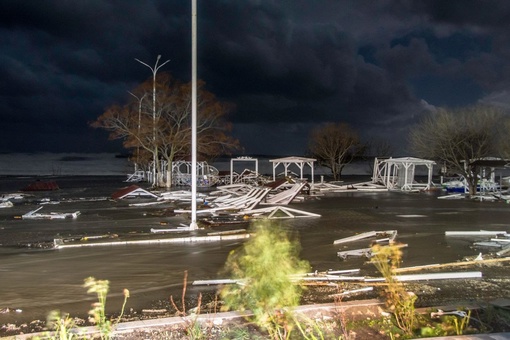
{"x": 193, "y": 224}
{"x": 154, "y": 71}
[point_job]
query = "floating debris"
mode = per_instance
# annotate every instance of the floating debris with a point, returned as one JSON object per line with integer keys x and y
{"x": 476, "y": 233}
{"x": 133, "y": 191}
{"x": 366, "y": 252}
{"x": 277, "y": 212}
{"x": 41, "y": 186}
{"x": 97, "y": 237}
{"x": 60, "y": 244}
{"x": 431, "y": 276}
{"x": 476, "y": 261}
{"x": 6, "y": 204}
{"x": 388, "y": 235}
{"x": 34, "y": 215}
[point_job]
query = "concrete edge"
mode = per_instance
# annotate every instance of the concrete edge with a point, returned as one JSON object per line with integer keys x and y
{"x": 125, "y": 327}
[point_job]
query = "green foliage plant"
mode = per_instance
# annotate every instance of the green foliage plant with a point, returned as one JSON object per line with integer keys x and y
{"x": 399, "y": 301}
{"x": 62, "y": 325}
{"x": 98, "y": 312}
{"x": 461, "y": 326}
{"x": 453, "y": 323}
{"x": 265, "y": 267}
{"x": 311, "y": 329}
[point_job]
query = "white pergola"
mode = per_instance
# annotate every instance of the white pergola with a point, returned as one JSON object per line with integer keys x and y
{"x": 242, "y": 159}
{"x": 300, "y": 162}
{"x": 398, "y": 173}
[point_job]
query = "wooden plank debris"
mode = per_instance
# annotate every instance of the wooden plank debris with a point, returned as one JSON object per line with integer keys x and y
{"x": 363, "y": 186}
{"x": 487, "y": 244}
{"x": 451, "y": 264}
{"x": 366, "y": 252}
{"x": 245, "y": 202}
{"x": 190, "y": 239}
{"x": 145, "y": 204}
{"x": 502, "y": 240}
{"x": 276, "y": 212}
{"x": 295, "y": 278}
{"x": 354, "y": 291}
{"x": 214, "y": 282}
{"x": 35, "y": 215}
{"x": 431, "y": 276}
{"x": 355, "y": 237}
{"x": 6, "y": 204}
{"x": 227, "y": 232}
{"x": 452, "y": 196}
{"x": 476, "y": 233}
{"x": 179, "y": 195}
{"x": 154, "y": 311}
{"x": 170, "y": 230}
{"x": 369, "y": 234}
{"x": 345, "y": 271}
{"x": 286, "y": 196}
{"x": 503, "y": 251}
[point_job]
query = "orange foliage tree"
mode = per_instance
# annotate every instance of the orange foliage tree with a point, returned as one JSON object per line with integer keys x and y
{"x": 166, "y": 131}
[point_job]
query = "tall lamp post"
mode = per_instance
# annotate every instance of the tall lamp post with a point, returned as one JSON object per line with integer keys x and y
{"x": 193, "y": 225}
{"x": 139, "y": 126}
{"x": 154, "y": 71}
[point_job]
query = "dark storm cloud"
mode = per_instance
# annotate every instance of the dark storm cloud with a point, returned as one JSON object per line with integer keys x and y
{"x": 287, "y": 65}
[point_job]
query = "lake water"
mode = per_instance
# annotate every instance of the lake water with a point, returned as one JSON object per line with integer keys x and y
{"x": 108, "y": 164}
{"x": 37, "y": 281}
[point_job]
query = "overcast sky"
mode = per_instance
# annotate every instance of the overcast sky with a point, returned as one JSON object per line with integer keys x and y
{"x": 288, "y": 65}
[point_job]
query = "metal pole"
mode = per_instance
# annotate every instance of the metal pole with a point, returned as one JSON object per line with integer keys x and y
{"x": 154, "y": 71}
{"x": 193, "y": 225}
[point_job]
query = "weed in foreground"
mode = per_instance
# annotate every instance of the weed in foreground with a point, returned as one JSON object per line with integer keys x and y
{"x": 399, "y": 301}
{"x": 264, "y": 267}
{"x": 98, "y": 312}
{"x": 193, "y": 328}
{"x": 63, "y": 327}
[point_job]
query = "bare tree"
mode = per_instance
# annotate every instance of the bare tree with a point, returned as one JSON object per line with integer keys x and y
{"x": 133, "y": 123}
{"x": 377, "y": 147}
{"x": 457, "y": 138}
{"x": 335, "y": 145}
{"x": 505, "y": 142}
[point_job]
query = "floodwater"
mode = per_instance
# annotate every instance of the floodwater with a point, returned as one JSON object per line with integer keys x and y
{"x": 37, "y": 281}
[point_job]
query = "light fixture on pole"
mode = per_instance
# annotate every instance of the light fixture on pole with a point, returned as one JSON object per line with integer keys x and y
{"x": 154, "y": 71}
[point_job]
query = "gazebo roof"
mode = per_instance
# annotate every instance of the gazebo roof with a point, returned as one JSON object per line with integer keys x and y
{"x": 300, "y": 162}
{"x": 292, "y": 159}
{"x": 492, "y": 162}
{"x": 412, "y": 160}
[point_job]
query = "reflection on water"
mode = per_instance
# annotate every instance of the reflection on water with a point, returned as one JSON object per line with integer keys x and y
{"x": 38, "y": 281}
{"x": 41, "y": 280}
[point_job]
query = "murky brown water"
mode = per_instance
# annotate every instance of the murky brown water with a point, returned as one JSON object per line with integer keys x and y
{"x": 37, "y": 281}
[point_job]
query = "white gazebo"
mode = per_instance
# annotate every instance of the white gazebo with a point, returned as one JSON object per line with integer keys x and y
{"x": 300, "y": 162}
{"x": 242, "y": 159}
{"x": 398, "y": 173}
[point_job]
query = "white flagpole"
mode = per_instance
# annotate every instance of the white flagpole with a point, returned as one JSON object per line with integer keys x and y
{"x": 193, "y": 224}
